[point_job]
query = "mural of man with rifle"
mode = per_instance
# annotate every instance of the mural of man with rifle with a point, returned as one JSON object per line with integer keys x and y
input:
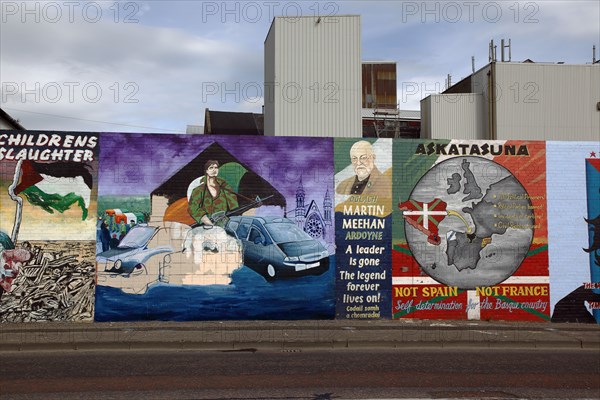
{"x": 212, "y": 196}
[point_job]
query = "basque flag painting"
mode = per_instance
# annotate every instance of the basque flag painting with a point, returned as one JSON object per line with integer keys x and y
{"x": 425, "y": 217}
{"x": 56, "y": 186}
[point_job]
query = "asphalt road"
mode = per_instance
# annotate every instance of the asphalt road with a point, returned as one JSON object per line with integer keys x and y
{"x": 302, "y": 374}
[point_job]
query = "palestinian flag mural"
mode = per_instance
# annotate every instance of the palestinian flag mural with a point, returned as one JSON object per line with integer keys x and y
{"x": 470, "y": 230}
{"x": 48, "y": 187}
{"x": 47, "y": 205}
{"x": 56, "y": 186}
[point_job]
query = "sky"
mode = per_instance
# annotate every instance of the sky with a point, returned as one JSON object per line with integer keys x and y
{"x": 155, "y": 66}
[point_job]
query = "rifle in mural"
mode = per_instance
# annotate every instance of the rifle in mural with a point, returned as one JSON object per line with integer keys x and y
{"x": 221, "y": 216}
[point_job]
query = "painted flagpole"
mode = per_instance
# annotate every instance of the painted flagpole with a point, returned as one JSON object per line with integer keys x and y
{"x": 18, "y": 199}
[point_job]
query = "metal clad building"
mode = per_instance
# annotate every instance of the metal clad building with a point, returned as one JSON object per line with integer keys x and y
{"x": 547, "y": 101}
{"x": 525, "y": 101}
{"x": 313, "y": 77}
{"x": 457, "y": 115}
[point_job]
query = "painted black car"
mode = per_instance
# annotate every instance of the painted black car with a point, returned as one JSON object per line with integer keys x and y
{"x": 276, "y": 248}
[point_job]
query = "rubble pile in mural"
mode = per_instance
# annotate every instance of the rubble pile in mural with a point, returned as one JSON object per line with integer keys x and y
{"x": 56, "y": 285}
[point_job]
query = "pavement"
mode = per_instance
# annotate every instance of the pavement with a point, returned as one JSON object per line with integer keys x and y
{"x": 296, "y": 335}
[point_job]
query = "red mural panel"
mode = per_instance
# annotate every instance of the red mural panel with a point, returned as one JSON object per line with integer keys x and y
{"x": 470, "y": 233}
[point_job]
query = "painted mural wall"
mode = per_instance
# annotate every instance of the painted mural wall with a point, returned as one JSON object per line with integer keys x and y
{"x": 127, "y": 227}
{"x": 48, "y": 198}
{"x": 471, "y": 239}
{"x": 363, "y": 220}
{"x": 226, "y": 228}
{"x": 574, "y": 230}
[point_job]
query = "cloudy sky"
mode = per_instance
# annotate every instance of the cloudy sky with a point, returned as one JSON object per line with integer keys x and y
{"x": 154, "y": 66}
